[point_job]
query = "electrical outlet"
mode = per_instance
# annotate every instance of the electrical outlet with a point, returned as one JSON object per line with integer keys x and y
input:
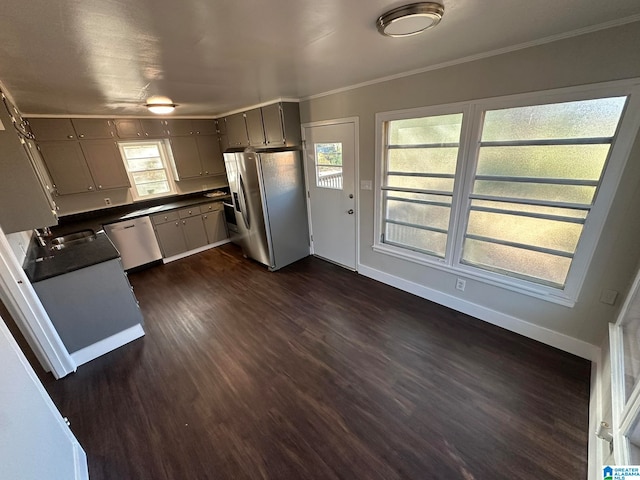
{"x": 107, "y": 201}
{"x": 461, "y": 284}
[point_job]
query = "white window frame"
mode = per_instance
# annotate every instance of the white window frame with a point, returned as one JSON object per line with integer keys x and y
{"x": 473, "y": 112}
{"x": 164, "y": 157}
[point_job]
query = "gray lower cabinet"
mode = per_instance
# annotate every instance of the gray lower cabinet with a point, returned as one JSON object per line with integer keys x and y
{"x": 170, "y": 238}
{"x": 179, "y": 231}
{"x": 90, "y": 304}
{"x": 215, "y": 226}
{"x": 194, "y": 233}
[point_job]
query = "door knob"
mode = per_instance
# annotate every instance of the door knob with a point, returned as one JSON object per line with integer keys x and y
{"x": 351, "y": 195}
{"x": 350, "y": 211}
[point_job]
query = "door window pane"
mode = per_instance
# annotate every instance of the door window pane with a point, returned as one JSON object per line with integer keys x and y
{"x": 328, "y": 163}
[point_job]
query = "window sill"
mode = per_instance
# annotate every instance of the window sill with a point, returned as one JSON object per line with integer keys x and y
{"x": 476, "y": 275}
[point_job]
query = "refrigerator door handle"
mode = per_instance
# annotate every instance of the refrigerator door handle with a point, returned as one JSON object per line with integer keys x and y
{"x": 244, "y": 211}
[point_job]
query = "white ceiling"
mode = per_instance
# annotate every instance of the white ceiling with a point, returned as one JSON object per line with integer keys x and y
{"x": 104, "y": 57}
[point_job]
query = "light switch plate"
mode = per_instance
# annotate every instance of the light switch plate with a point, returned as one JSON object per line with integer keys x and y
{"x": 366, "y": 185}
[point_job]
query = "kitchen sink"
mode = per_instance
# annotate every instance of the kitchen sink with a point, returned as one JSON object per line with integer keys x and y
{"x": 83, "y": 236}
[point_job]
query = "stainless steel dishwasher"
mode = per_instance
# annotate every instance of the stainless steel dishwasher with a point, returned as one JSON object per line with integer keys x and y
{"x": 135, "y": 240}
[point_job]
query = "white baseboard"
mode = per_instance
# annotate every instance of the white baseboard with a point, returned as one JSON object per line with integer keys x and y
{"x": 108, "y": 344}
{"x": 194, "y": 251}
{"x": 536, "y": 332}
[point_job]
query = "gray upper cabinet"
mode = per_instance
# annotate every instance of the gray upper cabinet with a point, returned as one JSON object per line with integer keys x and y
{"x": 282, "y": 124}
{"x": 197, "y": 156}
{"x": 153, "y": 127}
{"x": 204, "y": 126}
{"x": 93, "y": 128}
{"x": 26, "y": 203}
{"x": 275, "y": 125}
{"x": 105, "y": 164}
{"x": 52, "y": 129}
{"x": 180, "y": 127}
{"x": 237, "y": 131}
{"x": 221, "y": 126}
{"x": 186, "y": 157}
{"x": 67, "y": 167}
{"x": 255, "y": 129}
{"x": 211, "y": 159}
{"x": 129, "y": 128}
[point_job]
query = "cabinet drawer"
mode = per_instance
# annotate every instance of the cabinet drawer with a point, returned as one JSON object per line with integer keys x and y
{"x": 189, "y": 212}
{"x": 171, "y": 216}
{"x": 211, "y": 207}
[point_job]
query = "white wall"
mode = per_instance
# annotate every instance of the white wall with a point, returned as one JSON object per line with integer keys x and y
{"x": 596, "y": 57}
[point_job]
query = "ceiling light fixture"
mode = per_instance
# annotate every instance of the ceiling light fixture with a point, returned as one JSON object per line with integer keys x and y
{"x": 410, "y": 19}
{"x": 160, "y": 105}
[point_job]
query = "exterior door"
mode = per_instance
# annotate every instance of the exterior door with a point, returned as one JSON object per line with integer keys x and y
{"x": 330, "y": 158}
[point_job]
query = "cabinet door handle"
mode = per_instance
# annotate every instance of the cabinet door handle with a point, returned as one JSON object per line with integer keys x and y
{"x": 90, "y": 187}
{"x": 69, "y": 136}
{"x": 81, "y": 135}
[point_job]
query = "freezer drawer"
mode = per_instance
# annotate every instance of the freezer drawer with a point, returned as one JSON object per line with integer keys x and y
{"x": 135, "y": 240}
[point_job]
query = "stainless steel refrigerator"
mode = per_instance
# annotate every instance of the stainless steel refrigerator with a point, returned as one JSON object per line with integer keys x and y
{"x": 268, "y": 214}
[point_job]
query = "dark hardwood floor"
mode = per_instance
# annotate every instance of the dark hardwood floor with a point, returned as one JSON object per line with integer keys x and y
{"x": 315, "y": 372}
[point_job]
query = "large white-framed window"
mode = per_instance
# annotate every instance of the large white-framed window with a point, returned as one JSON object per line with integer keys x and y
{"x": 513, "y": 191}
{"x": 147, "y": 164}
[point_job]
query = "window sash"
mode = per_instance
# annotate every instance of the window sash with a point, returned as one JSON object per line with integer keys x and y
{"x": 462, "y": 197}
{"x": 137, "y": 185}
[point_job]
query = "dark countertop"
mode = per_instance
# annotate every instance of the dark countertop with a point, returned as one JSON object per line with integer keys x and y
{"x": 170, "y": 206}
{"x": 96, "y": 219}
{"x": 42, "y": 262}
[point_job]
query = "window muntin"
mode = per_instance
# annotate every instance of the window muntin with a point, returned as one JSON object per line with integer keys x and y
{"x": 520, "y": 201}
{"x": 420, "y": 165}
{"x": 146, "y": 166}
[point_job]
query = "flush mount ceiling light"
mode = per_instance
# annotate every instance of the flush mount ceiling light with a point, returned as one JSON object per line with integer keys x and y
{"x": 410, "y": 19}
{"x": 160, "y": 105}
